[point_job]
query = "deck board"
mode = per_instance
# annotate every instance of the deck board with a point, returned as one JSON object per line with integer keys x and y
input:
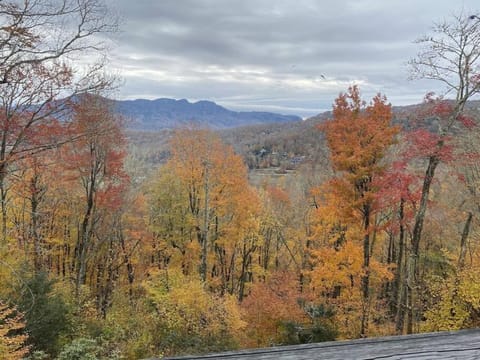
{"x": 464, "y": 344}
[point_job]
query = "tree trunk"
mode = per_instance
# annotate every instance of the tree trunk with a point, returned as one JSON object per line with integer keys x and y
{"x": 34, "y": 231}
{"x": 3, "y": 200}
{"x": 463, "y": 241}
{"x": 206, "y": 221}
{"x": 433, "y": 162}
{"x": 410, "y": 293}
{"x": 412, "y": 281}
{"x": 84, "y": 236}
{"x": 366, "y": 269}
{"x": 128, "y": 263}
{"x": 399, "y": 284}
{"x": 3, "y": 178}
{"x": 36, "y": 196}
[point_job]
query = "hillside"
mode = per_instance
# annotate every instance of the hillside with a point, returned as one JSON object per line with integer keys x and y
{"x": 276, "y": 145}
{"x": 152, "y": 115}
{"x": 282, "y": 146}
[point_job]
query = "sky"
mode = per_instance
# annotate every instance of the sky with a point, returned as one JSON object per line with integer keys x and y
{"x": 284, "y": 56}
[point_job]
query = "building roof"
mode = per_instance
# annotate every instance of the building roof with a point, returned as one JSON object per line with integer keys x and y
{"x": 464, "y": 344}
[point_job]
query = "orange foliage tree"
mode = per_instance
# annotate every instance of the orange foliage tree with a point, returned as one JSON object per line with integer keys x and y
{"x": 202, "y": 204}
{"x": 270, "y": 307}
{"x": 358, "y": 137}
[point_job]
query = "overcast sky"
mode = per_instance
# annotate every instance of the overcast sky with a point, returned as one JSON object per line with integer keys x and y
{"x": 287, "y": 56}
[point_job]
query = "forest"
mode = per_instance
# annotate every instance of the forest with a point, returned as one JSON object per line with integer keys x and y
{"x": 362, "y": 224}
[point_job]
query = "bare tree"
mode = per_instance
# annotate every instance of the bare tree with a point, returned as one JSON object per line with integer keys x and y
{"x": 34, "y": 32}
{"x": 449, "y": 55}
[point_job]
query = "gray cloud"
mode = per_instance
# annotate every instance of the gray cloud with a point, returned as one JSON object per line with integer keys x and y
{"x": 294, "y": 56}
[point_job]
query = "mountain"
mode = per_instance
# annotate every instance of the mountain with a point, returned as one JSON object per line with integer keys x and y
{"x": 150, "y": 115}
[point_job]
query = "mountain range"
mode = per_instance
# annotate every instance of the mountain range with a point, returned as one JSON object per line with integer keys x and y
{"x": 152, "y": 115}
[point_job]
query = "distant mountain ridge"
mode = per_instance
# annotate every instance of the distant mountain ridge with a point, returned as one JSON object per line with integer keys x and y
{"x": 151, "y": 115}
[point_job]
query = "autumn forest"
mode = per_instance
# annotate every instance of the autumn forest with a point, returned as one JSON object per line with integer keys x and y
{"x": 373, "y": 231}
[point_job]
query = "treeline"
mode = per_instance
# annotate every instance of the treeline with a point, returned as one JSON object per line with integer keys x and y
{"x": 197, "y": 260}
{"x": 382, "y": 238}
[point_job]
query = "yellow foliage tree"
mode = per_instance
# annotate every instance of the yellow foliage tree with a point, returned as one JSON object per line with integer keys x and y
{"x": 190, "y": 317}
{"x": 202, "y": 204}
{"x": 456, "y": 299}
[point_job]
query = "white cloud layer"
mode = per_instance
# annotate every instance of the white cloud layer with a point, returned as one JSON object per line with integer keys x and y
{"x": 274, "y": 55}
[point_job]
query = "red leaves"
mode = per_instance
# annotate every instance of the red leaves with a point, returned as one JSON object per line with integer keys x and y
{"x": 444, "y": 112}
{"x": 433, "y": 109}
{"x": 97, "y": 156}
{"x": 425, "y": 144}
{"x": 395, "y": 184}
{"x": 466, "y": 121}
{"x": 442, "y": 108}
{"x": 433, "y": 139}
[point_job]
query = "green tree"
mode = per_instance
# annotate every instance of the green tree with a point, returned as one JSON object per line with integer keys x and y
{"x": 80, "y": 349}
{"x": 46, "y": 313}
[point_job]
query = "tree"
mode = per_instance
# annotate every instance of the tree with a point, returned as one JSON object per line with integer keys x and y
{"x": 358, "y": 137}
{"x": 29, "y": 26}
{"x": 46, "y": 313}
{"x": 188, "y": 317}
{"x": 80, "y": 349}
{"x": 96, "y": 161}
{"x": 281, "y": 246}
{"x": 270, "y": 306}
{"x": 31, "y": 211}
{"x": 449, "y": 55}
{"x": 398, "y": 197}
{"x": 202, "y": 204}
{"x": 39, "y": 40}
